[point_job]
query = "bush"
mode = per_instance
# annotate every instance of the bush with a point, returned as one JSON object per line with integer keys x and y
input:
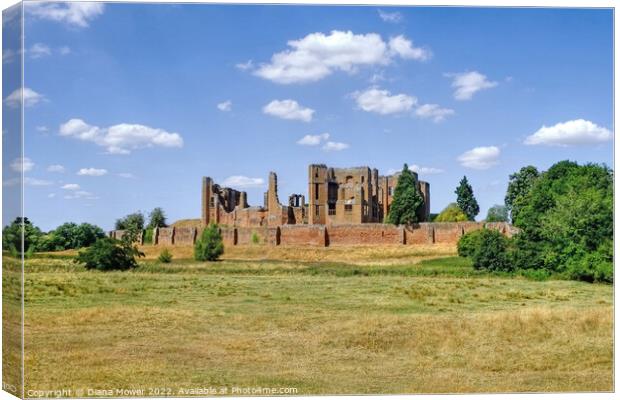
{"x": 452, "y": 213}
{"x": 107, "y": 254}
{"x": 110, "y": 254}
{"x": 165, "y": 256}
{"x": 491, "y": 251}
{"x": 255, "y": 238}
{"x": 594, "y": 267}
{"x": 210, "y": 246}
{"x": 148, "y": 236}
{"x": 468, "y": 243}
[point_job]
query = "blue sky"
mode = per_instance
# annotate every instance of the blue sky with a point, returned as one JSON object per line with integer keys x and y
{"x": 131, "y": 104}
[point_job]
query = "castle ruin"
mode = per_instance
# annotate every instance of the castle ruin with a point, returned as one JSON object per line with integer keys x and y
{"x": 336, "y": 196}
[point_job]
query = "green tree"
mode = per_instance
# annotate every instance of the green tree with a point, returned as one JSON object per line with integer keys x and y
{"x": 452, "y": 213}
{"x": 70, "y": 236}
{"x": 407, "y": 201}
{"x": 132, "y": 221}
{"x": 466, "y": 200}
{"x": 12, "y": 236}
{"x": 497, "y": 213}
{"x": 210, "y": 245}
{"x": 157, "y": 218}
{"x": 566, "y": 222}
{"x": 519, "y": 185}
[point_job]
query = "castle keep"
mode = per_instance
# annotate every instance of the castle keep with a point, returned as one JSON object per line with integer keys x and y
{"x": 335, "y": 196}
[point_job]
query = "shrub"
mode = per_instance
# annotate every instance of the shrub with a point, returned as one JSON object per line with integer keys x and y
{"x": 210, "y": 246}
{"x": 452, "y": 213}
{"x": 491, "y": 251}
{"x": 165, "y": 256}
{"x": 110, "y": 254}
{"x": 148, "y": 236}
{"x": 594, "y": 267}
{"x": 255, "y": 238}
{"x": 468, "y": 243}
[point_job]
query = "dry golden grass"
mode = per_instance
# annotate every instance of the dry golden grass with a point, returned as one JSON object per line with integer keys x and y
{"x": 362, "y": 255}
{"x": 237, "y": 323}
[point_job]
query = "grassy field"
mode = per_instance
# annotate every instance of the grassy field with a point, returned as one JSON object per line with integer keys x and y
{"x": 323, "y": 321}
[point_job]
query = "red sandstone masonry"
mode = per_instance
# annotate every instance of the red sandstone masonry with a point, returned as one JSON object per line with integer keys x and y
{"x": 365, "y": 234}
{"x": 335, "y": 235}
{"x": 303, "y": 235}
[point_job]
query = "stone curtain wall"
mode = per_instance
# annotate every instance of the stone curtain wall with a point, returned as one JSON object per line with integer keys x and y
{"x": 335, "y": 235}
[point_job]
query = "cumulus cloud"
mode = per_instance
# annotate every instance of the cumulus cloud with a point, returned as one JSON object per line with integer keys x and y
{"x": 243, "y": 181}
{"x": 39, "y": 50}
{"x": 318, "y": 55}
{"x": 75, "y": 14}
{"x": 335, "y": 146}
{"x": 383, "y": 102}
{"x": 570, "y": 133}
{"x": 31, "y": 98}
{"x": 56, "y": 168}
{"x": 392, "y": 17}
{"x": 466, "y": 84}
{"x": 313, "y": 140}
{"x": 92, "y": 172}
{"x": 81, "y": 194}
{"x": 434, "y": 112}
{"x": 245, "y": 65}
{"x": 70, "y": 186}
{"x": 27, "y": 182}
{"x": 20, "y": 164}
{"x": 425, "y": 170}
{"x": 288, "y": 109}
{"x": 121, "y": 138}
{"x": 480, "y": 157}
{"x": 225, "y": 105}
{"x": 403, "y": 47}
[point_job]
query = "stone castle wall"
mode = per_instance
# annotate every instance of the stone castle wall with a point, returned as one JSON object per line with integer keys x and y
{"x": 323, "y": 235}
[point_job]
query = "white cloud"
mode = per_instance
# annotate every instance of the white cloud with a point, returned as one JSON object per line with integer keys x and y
{"x": 468, "y": 83}
{"x": 56, "y": 168}
{"x": 335, "y": 146}
{"x": 51, "y": 195}
{"x": 81, "y": 194}
{"x": 392, "y": 17}
{"x": 480, "y": 157}
{"x": 31, "y": 98}
{"x": 42, "y": 129}
{"x": 288, "y": 109}
{"x": 64, "y": 50}
{"x": 27, "y": 182}
{"x": 39, "y": 50}
{"x": 404, "y": 48}
{"x": 313, "y": 140}
{"x": 243, "y": 181}
{"x": 433, "y": 111}
{"x": 570, "y": 133}
{"x": 383, "y": 102}
{"x": 127, "y": 175}
{"x": 70, "y": 186}
{"x": 245, "y": 66}
{"x": 121, "y": 138}
{"x": 92, "y": 172}
{"x": 19, "y": 163}
{"x": 425, "y": 170}
{"x": 225, "y": 105}
{"x": 318, "y": 55}
{"x": 77, "y": 14}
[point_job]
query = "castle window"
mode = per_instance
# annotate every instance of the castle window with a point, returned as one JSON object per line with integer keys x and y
{"x": 391, "y": 191}
{"x": 362, "y": 178}
{"x": 348, "y": 208}
{"x": 316, "y": 191}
